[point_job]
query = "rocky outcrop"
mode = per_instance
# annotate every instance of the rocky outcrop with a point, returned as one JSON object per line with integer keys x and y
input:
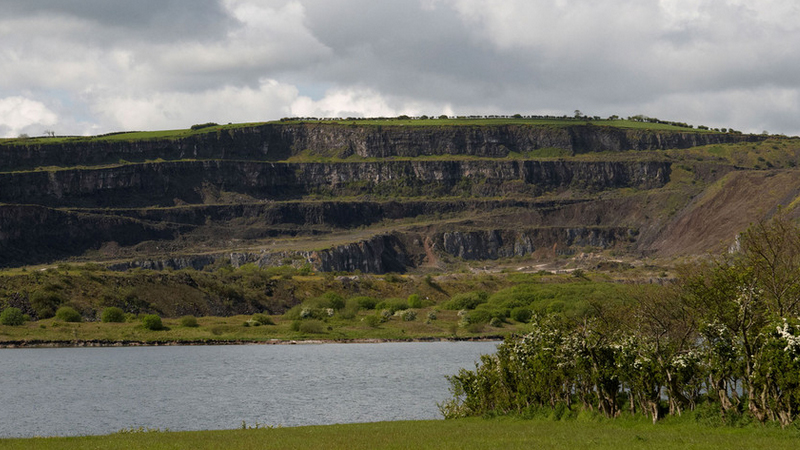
{"x": 494, "y": 244}
{"x": 399, "y": 252}
{"x": 333, "y": 213}
{"x": 166, "y": 184}
{"x": 276, "y": 142}
{"x": 34, "y": 234}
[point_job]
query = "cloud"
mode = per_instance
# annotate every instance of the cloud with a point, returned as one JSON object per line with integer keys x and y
{"x": 106, "y": 22}
{"x": 173, "y": 110}
{"x": 22, "y": 115}
{"x": 98, "y": 64}
{"x": 355, "y": 102}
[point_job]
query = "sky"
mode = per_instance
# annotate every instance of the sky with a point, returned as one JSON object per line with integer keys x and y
{"x": 85, "y": 67}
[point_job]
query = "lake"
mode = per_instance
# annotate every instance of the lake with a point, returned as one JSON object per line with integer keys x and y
{"x": 83, "y": 391}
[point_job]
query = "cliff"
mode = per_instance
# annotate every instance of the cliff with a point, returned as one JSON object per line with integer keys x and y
{"x": 278, "y": 142}
{"x": 372, "y": 198}
{"x": 170, "y": 183}
{"x": 401, "y": 251}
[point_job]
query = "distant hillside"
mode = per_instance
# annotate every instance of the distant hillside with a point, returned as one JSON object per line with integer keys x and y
{"x": 387, "y": 195}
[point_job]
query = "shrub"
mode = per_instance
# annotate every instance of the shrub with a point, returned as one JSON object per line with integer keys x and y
{"x": 496, "y": 322}
{"x": 68, "y": 314}
{"x": 200, "y": 126}
{"x": 393, "y": 304}
{"x": 408, "y": 315}
{"x": 189, "y": 322}
{"x": 365, "y": 302}
{"x": 468, "y": 300}
{"x": 414, "y": 301}
{"x": 392, "y": 278}
{"x": 12, "y": 316}
{"x": 479, "y": 316}
{"x": 219, "y": 330}
{"x": 372, "y": 321}
{"x": 349, "y": 311}
{"x": 45, "y": 302}
{"x": 312, "y": 327}
{"x": 262, "y": 319}
{"x": 333, "y": 300}
{"x": 112, "y": 314}
{"x": 521, "y": 314}
{"x": 152, "y": 322}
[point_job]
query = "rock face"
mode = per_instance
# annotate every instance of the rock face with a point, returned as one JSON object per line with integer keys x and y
{"x": 276, "y": 142}
{"x": 399, "y": 252}
{"x": 165, "y": 184}
{"x": 222, "y": 190}
{"x": 33, "y": 234}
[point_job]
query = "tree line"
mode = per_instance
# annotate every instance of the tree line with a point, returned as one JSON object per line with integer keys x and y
{"x": 725, "y": 335}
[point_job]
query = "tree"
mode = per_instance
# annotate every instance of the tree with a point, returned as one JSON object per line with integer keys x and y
{"x": 12, "y": 317}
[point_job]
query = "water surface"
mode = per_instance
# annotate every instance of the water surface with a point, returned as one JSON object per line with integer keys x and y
{"x": 80, "y": 391}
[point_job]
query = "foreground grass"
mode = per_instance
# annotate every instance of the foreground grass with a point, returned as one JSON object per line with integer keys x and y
{"x": 451, "y": 434}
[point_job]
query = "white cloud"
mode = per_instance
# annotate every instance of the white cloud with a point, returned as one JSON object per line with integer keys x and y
{"x": 19, "y": 114}
{"x": 359, "y": 102}
{"x": 99, "y": 72}
{"x": 267, "y": 39}
{"x": 167, "y": 110}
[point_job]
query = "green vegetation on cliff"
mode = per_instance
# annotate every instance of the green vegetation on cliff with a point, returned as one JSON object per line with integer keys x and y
{"x": 262, "y": 305}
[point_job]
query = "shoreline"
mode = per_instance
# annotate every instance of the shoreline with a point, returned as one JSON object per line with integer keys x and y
{"x": 35, "y": 343}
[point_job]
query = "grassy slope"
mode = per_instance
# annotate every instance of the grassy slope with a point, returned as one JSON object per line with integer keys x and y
{"x": 86, "y": 291}
{"x": 453, "y": 434}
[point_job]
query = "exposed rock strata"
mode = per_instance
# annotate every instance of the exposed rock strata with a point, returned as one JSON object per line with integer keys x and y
{"x": 165, "y": 184}
{"x": 274, "y": 142}
{"x": 399, "y": 252}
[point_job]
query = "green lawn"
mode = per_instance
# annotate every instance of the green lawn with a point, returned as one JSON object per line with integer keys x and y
{"x": 451, "y": 434}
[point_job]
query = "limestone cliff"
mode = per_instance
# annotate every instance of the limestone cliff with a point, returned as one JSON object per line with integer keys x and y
{"x": 275, "y": 142}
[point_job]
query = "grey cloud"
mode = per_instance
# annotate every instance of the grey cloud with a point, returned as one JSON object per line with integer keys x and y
{"x": 624, "y": 57}
{"x": 151, "y": 20}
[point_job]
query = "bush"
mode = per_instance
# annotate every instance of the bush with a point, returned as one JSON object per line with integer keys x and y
{"x": 372, "y": 321}
{"x": 112, "y": 314}
{"x": 189, "y": 322}
{"x": 521, "y": 314}
{"x": 152, "y": 322}
{"x": 408, "y": 315}
{"x": 393, "y": 304}
{"x": 414, "y": 301}
{"x": 365, "y": 302}
{"x": 68, "y": 314}
{"x": 350, "y": 311}
{"x": 262, "y": 319}
{"x": 200, "y": 126}
{"x": 333, "y": 300}
{"x": 392, "y": 278}
{"x": 312, "y": 327}
{"x": 468, "y": 300}
{"x": 45, "y": 301}
{"x": 479, "y": 316}
{"x": 12, "y": 316}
